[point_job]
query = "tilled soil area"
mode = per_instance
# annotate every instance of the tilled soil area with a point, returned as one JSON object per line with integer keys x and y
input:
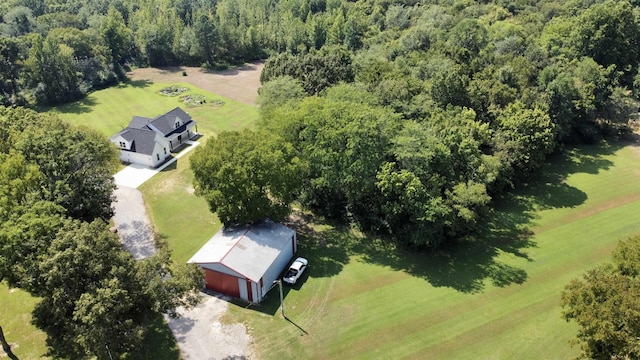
{"x": 240, "y": 84}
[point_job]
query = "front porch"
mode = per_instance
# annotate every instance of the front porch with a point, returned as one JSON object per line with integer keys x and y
{"x": 178, "y": 140}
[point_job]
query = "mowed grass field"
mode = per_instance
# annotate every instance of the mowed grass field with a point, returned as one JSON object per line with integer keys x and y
{"x": 27, "y": 341}
{"x": 495, "y": 296}
{"x": 110, "y": 110}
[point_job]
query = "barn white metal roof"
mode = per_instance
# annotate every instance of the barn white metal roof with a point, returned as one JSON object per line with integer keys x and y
{"x": 249, "y": 251}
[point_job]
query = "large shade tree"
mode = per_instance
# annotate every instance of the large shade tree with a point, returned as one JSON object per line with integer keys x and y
{"x": 97, "y": 300}
{"x": 247, "y": 176}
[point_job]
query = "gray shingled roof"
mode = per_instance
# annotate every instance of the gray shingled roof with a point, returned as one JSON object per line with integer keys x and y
{"x": 141, "y": 136}
{"x": 139, "y": 122}
{"x": 165, "y": 123}
{"x": 142, "y": 140}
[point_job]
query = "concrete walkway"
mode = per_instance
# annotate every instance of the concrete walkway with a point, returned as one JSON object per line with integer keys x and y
{"x": 135, "y": 175}
{"x": 130, "y": 216}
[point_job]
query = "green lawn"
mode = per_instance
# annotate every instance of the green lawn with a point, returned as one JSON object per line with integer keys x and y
{"x": 493, "y": 297}
{"x": 110, "y": 110}
{"x": 180, "y": 217}
{"x": 27, "y": 342}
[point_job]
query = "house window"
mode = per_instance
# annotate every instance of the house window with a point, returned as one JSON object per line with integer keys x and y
{"x": 180, "y": 138}
{"x": 158, "y": 156}
{"x": 122, "y": 144}
{"x": 165, "y": 151}
{"x": 177, "y": 124}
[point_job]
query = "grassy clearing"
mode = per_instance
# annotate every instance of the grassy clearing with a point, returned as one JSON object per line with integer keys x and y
{"x": 180, "y": 217}
{"x": 27, "y": 342}
{"x": 495, "y": 297}
{"x": 110, "y": 110}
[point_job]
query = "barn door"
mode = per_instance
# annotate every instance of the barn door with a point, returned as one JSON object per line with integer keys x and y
{"x": 222, "y": 283}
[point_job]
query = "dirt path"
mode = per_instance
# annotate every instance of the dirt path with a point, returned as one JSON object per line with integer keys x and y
{"x": 240, "y": 84}
{"x": 201, "y": 335}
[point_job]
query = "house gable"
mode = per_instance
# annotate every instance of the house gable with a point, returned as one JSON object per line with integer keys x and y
{"x": 175, "y": 121}
{"x": 152, "y": 140}
{"x": 120, "y": 141}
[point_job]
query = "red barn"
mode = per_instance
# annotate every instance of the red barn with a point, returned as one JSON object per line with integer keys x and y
{"x": 243, "y": 262}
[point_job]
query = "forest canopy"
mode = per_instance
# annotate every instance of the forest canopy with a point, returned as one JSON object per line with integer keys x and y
{"x": 409, "y": 118}
{"x": 405, "y": 117}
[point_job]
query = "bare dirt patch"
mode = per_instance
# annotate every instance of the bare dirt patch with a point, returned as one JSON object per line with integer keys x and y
{"x": 201, "y": 335}
{"x": 240, "y": 84}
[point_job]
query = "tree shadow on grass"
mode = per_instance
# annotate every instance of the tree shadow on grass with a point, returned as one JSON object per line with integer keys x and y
{"x": 159, "y": 342}
{"x": 467, "y": 264}
{"x": 549, "y": 190}
{"x": 142, "y": 83}
{"x": 82, "y": 106}
{"x": 235, "y": 70}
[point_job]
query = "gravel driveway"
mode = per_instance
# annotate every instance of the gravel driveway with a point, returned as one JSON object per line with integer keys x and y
{"x": 132, "y": 222}
{"x": 199, "y": 332}
{"x": 201, "y": 335}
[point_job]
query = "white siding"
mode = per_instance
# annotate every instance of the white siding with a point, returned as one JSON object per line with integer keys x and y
{"x": 242, "y": 284}
{"x": 119, "y": 139}
{"x": 135, "y": 158}
{"x": 276, "y": 268}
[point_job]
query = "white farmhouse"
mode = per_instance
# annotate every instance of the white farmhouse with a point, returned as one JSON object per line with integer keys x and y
{"x": 150, "y": 142}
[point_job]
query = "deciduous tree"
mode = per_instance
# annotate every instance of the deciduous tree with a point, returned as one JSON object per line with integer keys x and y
{"x": 116, "y": 36}
{"x": 77, "y": 166}
{"x": 96, "y": 298}
{"x": 247, "y": 176}
{"x": 605, "y": 303}
{"x": 524, "y": 138}
{"x": 52, "y": 71}
{"x": 279, "y": 91}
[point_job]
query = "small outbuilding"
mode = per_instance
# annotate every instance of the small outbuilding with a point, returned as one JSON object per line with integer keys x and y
{"x": 243, "y": 262}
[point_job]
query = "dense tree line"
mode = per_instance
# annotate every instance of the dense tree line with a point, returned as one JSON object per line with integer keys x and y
{"x": 410, "y": 118}
{"x": 56, "y": 189}
{"x": 482, "y": 55}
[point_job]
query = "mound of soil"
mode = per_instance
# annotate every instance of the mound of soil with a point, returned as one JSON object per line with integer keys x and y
{"x": 173, "y": 90}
